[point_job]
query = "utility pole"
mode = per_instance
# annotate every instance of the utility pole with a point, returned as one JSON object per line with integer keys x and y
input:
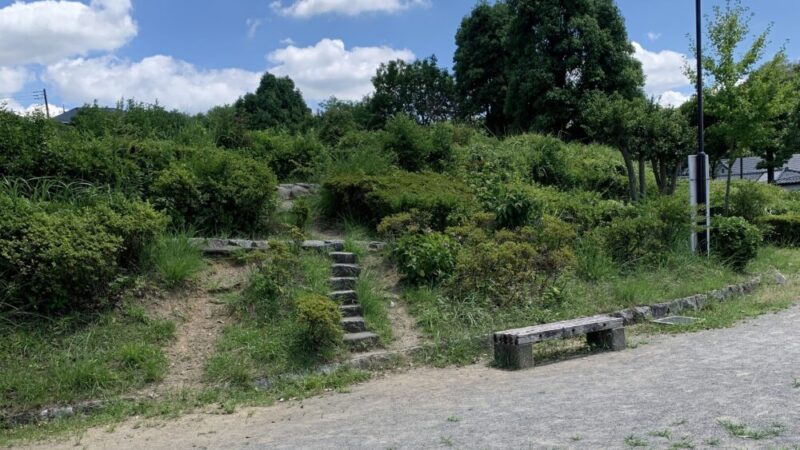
{"x": 698, "y": 164}
{"x": 46, "y": 103}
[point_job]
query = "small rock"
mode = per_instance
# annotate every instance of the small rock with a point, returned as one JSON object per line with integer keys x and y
{"x": 392, "y": 304}
{"x": 780, "y": 278}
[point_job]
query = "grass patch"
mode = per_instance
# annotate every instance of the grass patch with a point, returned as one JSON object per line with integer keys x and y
{"x": 375, "y": 306}
{"x": 744, "y": 431}
{"x": 457, "y": 330}
{"x": 80, "y": 358}
{"x": 635, "y": 441}
{"x": 173, "y": 259}
{"x": 172, "y": 405}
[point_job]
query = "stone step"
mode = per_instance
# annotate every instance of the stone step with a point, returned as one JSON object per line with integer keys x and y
{"x": 354, "y": 324}
{"x": 344, "y": 297}
{"x": 351, "y": 310}
{"x": 344, "y": 257}
{"x": 343, "y": 283}
{"x": 345, "y": 270}
{"x": 326, "y": 246}
{"x": 361, "y": 341}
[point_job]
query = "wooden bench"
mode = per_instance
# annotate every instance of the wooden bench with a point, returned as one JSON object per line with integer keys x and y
{"x": 513, "y": 349}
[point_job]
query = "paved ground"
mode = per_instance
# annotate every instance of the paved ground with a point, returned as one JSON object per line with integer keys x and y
{"x": 683, "y": 385}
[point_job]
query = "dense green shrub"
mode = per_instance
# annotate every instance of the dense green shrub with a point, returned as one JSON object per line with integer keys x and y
{"x": 410, "y": 222}
{"x": 58, "y": 256}
{"x": 215, "y": 191}
{"x": 369, "y": 199}
{"x": 637, "y": 240}
{"x": 174, "y": 259}
{"x": 268, "y": 296}
{"x": 409, "y": 141}
{"x": 582, "y": 209}
{"x": 506, "y": 272}
{"x": 782, "y": 229}
{"x": 735, "y": 240}
{"x": 425, "y": 258}
{"x": 322, "y": 319}
{"x": 290, "y": 156}
{"x": 751, "y": 200}
{"x": 515, "y": 208}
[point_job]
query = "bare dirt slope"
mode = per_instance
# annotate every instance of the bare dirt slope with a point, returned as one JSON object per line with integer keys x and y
{"x": 678, "y": 387}
{"x": 199, "y": 315}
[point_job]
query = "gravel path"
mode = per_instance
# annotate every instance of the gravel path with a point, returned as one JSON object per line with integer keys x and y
{"x": 680, "y": 386}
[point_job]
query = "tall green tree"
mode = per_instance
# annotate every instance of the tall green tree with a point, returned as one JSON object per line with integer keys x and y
{"x": 621, "y": 123}
{"x": 728, "y": 62}
{"x": 421, "y": 90}
{"x": 770, "y": 96}
{"x": 560, "y": 52}
{"x": 670, "y": 139}
{"x": 275, "y": 104}
{"x": 480, "y": 65}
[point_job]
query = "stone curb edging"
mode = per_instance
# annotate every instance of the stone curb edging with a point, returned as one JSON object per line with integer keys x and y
{"x": 639, "y": 314}
{"x": 227, "y": 247}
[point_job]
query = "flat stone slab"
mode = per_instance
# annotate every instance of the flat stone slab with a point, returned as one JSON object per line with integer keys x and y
{"x": 324, "y": 246}
{"x": 346, "y": 270}
{"x": 344, "y": 257}
{"x": 360, "y": 341}
{"x": 676, "y": 320}
{"x": 354, "y": 324}
{"x": 212, "y": 246}
{"x": 344, "y": 297}
{"x": 343, "y": 283}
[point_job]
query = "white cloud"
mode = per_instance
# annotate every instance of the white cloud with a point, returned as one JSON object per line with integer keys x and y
{"x": 672, "y": 98}
{"x": 252, "y": 26}
{"x": 329, "y": 69}
{"x": 12, "y": 79}
{"x": 14, "y": 106}
{"x": 174, "y": 83}
{"x": 46, "y": 31}
{"x": 664, "y": 73}
{"x": 287, "y": 41}
{"x": 653, "y": 36}
{"x": 310, "y": 8}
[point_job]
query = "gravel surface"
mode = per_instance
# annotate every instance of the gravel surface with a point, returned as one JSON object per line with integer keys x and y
{"x": 681, "y": 387}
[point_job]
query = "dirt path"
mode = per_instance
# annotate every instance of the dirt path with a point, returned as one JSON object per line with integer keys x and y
{"x": 672, "y": 393}
{"x": 200, "y": 316}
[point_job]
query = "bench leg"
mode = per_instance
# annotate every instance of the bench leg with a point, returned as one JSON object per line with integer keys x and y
{"x": 613, "y": 340}
{"x": 513, "y": 357}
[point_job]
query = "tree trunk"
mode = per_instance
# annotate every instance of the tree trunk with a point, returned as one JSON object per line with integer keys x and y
{"x": 632, "y": 188}
{"x": 674, "y": 182}
{"x": 730, "y": 175}
{"x": 642, "y": 178}
{"x": 660, "y": 181}
{"x": 770, "y": 166}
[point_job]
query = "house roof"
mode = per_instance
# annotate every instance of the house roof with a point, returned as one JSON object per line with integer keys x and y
{"x": 66, "y": 117}
{"x": 749, "y": 165}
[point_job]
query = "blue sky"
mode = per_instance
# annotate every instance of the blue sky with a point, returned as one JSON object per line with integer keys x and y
{"x": 193, "y": 54}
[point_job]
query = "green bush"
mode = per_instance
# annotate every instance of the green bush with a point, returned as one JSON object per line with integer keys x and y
{"x": 515, "y": 208}
{"x": 783, "y": 229}
{"x": 735, "y": 240}
{"x": 217, "y": 191}
{"x": 301, "y": 213}
{"x": 636, "y": 240}
{"x": 506, "y": 272}
{"x": 408, "y": 141}
{"x": 56, "y": 257}
{"x": 291, "y": 157}
{"x": 425, "y": 258}
{"x": 368, "y": 199}
{"x": 268, "y": 295}
{"x": 322, "y": 319}
{"x": 751, "y": 200}
{"x": 411, "y": 222}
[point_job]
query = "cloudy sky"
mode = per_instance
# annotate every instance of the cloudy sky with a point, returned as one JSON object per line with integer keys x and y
{"x": 194, "y": 54}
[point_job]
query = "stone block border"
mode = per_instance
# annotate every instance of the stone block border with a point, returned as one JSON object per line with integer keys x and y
{"x": 639, "y": 314}
{"x": 227, "y": 247}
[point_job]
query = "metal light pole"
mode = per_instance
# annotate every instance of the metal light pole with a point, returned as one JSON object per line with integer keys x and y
{"x": 698, "y": 164}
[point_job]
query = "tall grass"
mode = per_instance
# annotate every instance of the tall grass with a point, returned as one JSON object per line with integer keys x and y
{"x": 173, "y": 259}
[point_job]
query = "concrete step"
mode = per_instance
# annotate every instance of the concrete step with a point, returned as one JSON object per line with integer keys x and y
{"x": 361, "y": 341}
{"x": 351, "y": 310}
{"x": 354, "y": 324}
{"x": 344, "y": 297}
{"x": 342, "y": 283}
{"x": 346, "y": 270}
{"x": 344, "y": 257}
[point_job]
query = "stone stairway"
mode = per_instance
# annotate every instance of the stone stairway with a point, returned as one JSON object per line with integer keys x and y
{"x": 345, "y": 271}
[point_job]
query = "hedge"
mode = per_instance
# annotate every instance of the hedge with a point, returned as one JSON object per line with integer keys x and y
{"x": 368, "y": 199}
